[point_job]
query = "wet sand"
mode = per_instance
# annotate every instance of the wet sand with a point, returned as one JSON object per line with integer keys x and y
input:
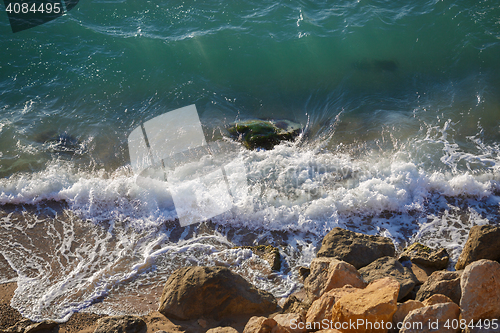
{"x": 87, "y": 322}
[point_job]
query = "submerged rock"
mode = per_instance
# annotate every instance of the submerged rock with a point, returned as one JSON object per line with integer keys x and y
{"x": 265, "y": 134}
{"x": 63, "y": 143}
{"x": 193, "y": 292}
{"x": 269, "y": 253}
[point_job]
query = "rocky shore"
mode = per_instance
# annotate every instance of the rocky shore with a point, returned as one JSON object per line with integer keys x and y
{"x": 356, "y": 283}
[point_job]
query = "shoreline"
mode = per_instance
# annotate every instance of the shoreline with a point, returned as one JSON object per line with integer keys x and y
{"x": 83, "y": 322}
{"x": 391, "y": 286}
{"x": 9, "y": 316}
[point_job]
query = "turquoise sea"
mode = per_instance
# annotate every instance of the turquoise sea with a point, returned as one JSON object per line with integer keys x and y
{"x": 399, "y": 102}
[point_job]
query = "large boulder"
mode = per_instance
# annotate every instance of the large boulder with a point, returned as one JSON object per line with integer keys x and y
{"x": 483, "y": 243}
{"x": 293, "y": 322}
{"x": 120, "y": 324}
{"x": 435, "y": 318}
{"x": 441, "y": 282}
{"x": 322, "y": 307}
{"x": 357, "y": 249}
{"x": 258, "y": 133}
{"x": 425, "y": 256}
{"x": 329, "y": 273}
{"x": 192, "y": 292}
{"x": 480, "y": 284}
{"x": 373, "y": 306}
{"x": 402, "y": 312}
{"x": 389, "y": 266}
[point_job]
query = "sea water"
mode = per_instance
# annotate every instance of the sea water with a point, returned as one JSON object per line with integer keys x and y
{"x": 399, "y": 104}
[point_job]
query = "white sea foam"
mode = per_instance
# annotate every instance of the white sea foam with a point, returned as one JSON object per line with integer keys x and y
{"x": 113, "y": 234}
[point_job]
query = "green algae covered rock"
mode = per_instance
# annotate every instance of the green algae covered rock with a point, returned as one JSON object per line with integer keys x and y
{"x": 264, "y": 134}
{"x": 423, "y": 255}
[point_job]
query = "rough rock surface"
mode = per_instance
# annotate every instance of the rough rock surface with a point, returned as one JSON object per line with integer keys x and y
{"x": 222, "y": 330}
{"x": 193, "y": 292}
{"x": 293, "y": 304}
{"x": 304, "y": 272}
{"x": 121, "y": 324}
{"x": 374, "y": 304}
{"x": 441, "y": 282}
{"x": 329, "y": 273}
{"x": 425, "y": 256}
{"x": 19, "y": 326}
{"x": 421, "y": 272}
{"x": 269, "y": 253}
{"x": 402, "y": 312}
{"x": 436, "y": 299}
{"x": 45, "y": 326}
{"x": 483, "y": 243}
{"x": 290, "y": 320}
{"x": 258, "y": 133}
{"x": 322, "y": 307}
{"x": 389, "y": 266}
{"x": 259, "y": 325}
{"x": 480, "y": 284}
{"x": 27, "y": 326}
{"x": 432, "y": 318}
{"x": 263, "y": 325}
{"x": 357, "y": 249}
{"x": 8, "y": 316}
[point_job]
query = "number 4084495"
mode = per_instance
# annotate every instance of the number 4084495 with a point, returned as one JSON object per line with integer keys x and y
{"x": 26, "y": 7}
{"x": 463, "y": 324}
